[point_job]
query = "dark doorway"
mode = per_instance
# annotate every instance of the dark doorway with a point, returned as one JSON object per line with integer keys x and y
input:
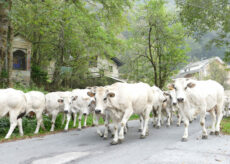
{"x": 19, "y": 60}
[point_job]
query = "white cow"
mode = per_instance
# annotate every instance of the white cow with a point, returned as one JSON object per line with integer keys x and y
{"x": 226, "y": 106}
{"x": 172, "y": 105}
{"x": 122, "y": 100}
{"x": 198, "y": 97}
{"x": 36, "y": 104}
{"x": 159, "y": 106}
{"x": 81, "y": 104}
{"x": 57, "y": 102}
{"x": 13, "y": 102}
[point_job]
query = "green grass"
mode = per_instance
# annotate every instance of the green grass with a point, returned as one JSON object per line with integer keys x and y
{"x": 29, "y": 126}
{"x": 225, "y": 125}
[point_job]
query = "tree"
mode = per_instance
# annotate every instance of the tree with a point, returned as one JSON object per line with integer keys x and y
{"x": 158, "y": 40}
{"x": 70, "y": 32}
{"x": 218, "y": 73}
{"x": 202, "y": 16}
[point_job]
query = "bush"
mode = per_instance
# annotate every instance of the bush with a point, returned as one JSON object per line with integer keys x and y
{"x": 39, "y": 76}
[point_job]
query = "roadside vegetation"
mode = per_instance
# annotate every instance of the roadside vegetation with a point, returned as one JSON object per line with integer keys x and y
{"x": 225, "y": 125}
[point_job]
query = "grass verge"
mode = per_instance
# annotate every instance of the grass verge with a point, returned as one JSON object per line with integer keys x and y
{"x": 225, "y": 125}
{"x": 29, "y": 126}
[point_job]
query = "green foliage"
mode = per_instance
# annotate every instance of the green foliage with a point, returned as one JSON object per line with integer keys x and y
{"x": 38, "y": 76}
{"x": 202, "y": 16}
{"x": 156, "y": 47}
{"x": 225, "y": 125}
{"x": 219, "y": 74}
{"x": 29, "y": 125}
{"x": 69, "y": 32}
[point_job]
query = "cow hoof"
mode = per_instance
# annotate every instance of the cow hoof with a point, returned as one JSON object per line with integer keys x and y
{"x": 120, "y": 141}
{"x": 79, "y": 129}
{"x": 158, "y": 127}
{"x": 154, "y": 125}
{"x": 190, "y": 122}
{"x": 65, "y": 130}
{"x": 139, "y": 130}
{"x": 147, "y": 133}
{"x": 93, "y": 125}
{"x": 212, "y": 133}
{"x": 204, "y": 137}
{"x": 217, "y": 133}
{"x": 113, "y": 143}
{"x": 109, "y": 131}
{"x": 177, "y": 125}
{"x": 83, "y": 127}
{"x": 142, "y": 136}
{"x": 105, "y": 138}
{"x": 182, "y": 121}
{"x": 167, "y": 126}
{"x": 184, "y": 139}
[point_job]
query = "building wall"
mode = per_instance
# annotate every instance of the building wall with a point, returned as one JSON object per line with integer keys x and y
{"x": 105, "y": 64}
{"x": 23, "y": 76}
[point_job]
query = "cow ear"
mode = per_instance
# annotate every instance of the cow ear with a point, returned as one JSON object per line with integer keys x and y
{"x": 90, "y": 94}
{"x": 170, "y": 86}
{"x": 60, "y": 100}
{"x": 191, "y": 85}
{"x": 74, "y": 98}
{"x": 166, "y": 94}
{"x": 111, "y": 94}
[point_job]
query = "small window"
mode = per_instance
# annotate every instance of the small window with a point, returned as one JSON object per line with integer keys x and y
{"x": 110, "y": 68}
{"x": 19, "y": 60}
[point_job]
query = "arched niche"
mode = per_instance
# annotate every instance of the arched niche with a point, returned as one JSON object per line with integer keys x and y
{"x": 19, "y": 60}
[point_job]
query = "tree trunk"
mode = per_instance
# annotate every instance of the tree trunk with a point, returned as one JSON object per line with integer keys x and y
{"x": 3, "y": 33}
{"x": 151, "y": 57}
{"x": 9, "y": 50}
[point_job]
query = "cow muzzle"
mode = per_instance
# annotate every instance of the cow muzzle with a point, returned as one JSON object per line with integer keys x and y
{"x": 66, "y": 111}
{"x": 180, "y": 100}
{"x": 174, "y": 104}
{"x": 97, "y": 111}
{"x": 84, "y": 114}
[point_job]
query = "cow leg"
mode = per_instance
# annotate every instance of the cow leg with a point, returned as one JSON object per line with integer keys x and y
{"x": 97, "y": 117}
{"x": 179, "y": 118}
{"x": 213, "y": 115}
{"x": 159, "y": 118}
{"x": 168, "y": 117}
{"x": 63, "y": 119}
{"x": 141, "y": 124}
{"x": 106, "y": 126}
{"x": 13, "y": 124}
{"x": 39, "y": 121}
{"x": 74, "y": 119}
{"x": 126, "y": 116}
{"x": 186, "y": 125}
{"x": 202, "y": 123}
{"x": 219, "y": 118}
{"x": 20, "y": 126}
{"x": 115, "y": 138}
{"x": 146, "y": 121}
{"x": 85, "y": 120}
{"x": 67, "y": 122}
{"x": 79, "y": 120}
{"x": 54, "y": 116}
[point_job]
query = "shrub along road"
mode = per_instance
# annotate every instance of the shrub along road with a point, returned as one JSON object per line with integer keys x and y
{"x": 161, "y": 146}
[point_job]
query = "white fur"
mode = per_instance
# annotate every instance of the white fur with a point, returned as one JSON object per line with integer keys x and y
{"x": 205, "y": 96}
{"x": 12, "y": 102}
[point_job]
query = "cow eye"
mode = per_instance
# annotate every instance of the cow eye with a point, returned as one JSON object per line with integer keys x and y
{"x": 185, "y": 88}
{"x": 105, "y": 98}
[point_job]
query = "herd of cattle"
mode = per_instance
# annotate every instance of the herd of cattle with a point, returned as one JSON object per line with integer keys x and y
{"x": 186, "y": 98}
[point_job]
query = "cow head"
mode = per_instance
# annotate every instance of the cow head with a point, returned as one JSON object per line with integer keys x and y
{"x": 102, "y": 96}
{"x": 66, "y": 102}
{"x": 181, "y": 86}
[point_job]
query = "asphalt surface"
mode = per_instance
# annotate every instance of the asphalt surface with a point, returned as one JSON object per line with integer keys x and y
{"x": 86, "y": 147}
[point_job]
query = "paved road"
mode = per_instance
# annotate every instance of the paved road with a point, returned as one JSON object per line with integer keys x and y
{"x": 85, "y": 147}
